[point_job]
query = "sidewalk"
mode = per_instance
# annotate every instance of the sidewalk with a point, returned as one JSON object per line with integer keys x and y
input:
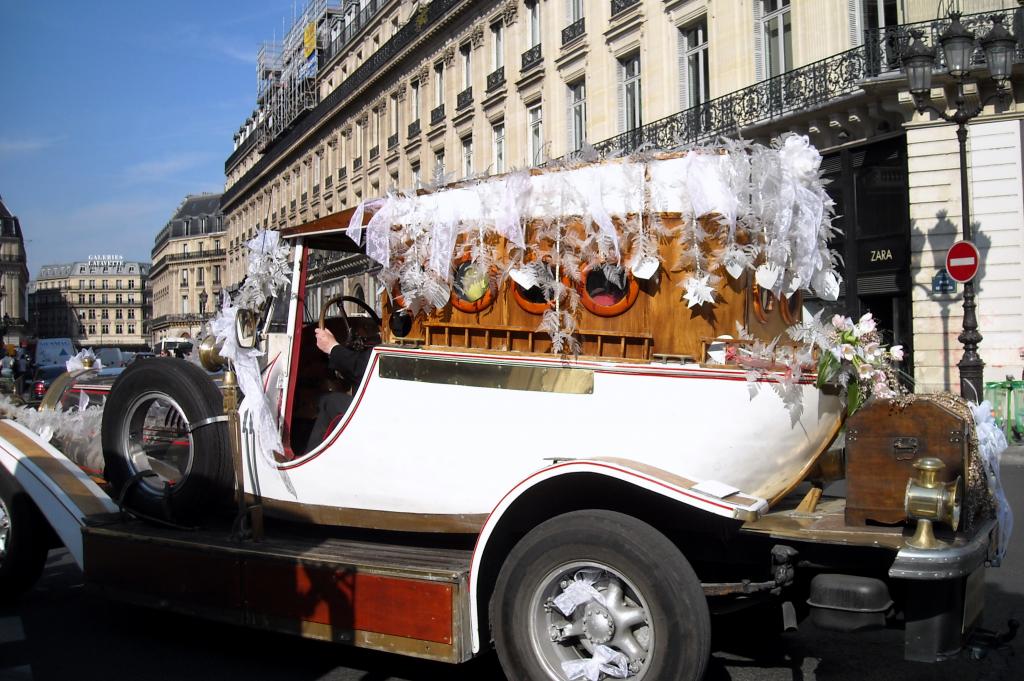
{"x": 1014, "y": 455}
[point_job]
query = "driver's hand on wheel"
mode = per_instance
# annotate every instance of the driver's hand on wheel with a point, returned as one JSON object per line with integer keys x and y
{"x": 325, "y": 340}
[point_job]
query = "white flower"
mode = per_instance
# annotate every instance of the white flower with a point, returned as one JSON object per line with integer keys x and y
{"x": 865, "y": 371}
{"x": 847, "y": 351}
{"x": 865, "y": 325}
{"x": 872, "y": 351}
{"x": 896, "y": 352}
{"x": 842, "y": 323}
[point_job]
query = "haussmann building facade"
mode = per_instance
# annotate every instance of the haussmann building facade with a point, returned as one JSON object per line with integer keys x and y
{"x": 365, "y": 97}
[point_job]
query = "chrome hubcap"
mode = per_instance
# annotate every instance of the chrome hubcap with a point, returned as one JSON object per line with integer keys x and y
{"x": 5, "y": 529}
{"x": 617, "y": 617}
{"x": 156, "y": 438}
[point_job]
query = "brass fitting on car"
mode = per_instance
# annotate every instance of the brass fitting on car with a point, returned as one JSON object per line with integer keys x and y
{"x": 929, "y": 500}
{"x": 209, "y": 354}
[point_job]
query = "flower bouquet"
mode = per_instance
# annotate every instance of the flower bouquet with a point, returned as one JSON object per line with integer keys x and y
{"x": 852, "y": 356}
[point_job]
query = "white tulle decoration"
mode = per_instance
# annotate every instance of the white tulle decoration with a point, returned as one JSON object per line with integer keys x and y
{"x": 77, "y": 362}
{"x": 991, "y": 445}
{"x": 268, "y": 268}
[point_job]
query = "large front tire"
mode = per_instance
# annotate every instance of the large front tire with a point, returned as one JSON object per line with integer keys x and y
{"x": 24, "y": 540}
{"x": 653, "y": 610}
{"x": 148, "y": 423}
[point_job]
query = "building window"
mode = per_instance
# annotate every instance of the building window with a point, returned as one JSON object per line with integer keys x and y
{"x": 131, "y": 328}
{"x": 467, "y": 156}
{"x": 393, "y": 119}
{"x": 105, "y": 282}
{"x": 184, "y": 277}
{"x": 118, "y": 314}
{"x": 104, "y": 314}
{"x": 498, "y": 147}
{"x": 117, "y": 298}
{"x": 117, "y": 283}
{"x": 439, "y": 163}
{"x": 414, "y": 168}
{"x": 498, "y": 45}
{"x": 92, "y": 314}
{"x": 415, "y": 100}
{"x": 81, "y": 283}
{"x": 216, "y": 274}
{"x": 577, "y": 114}
{"x": 438, "y": 84}
{"x": 630, "y": 114}
{"x": 92, "y": 329}
{"x": 695, "y": 70}
{"x": 535, "y": 116}
{"x": 81, "y": 299}
{"x": 131, "y": 314}
{"x": 199, "y": 276}
{"x": 131, "y": 282}
{"x": 535, "y": 23}
{"x": 92, "y": 297}
{"x": 467, "y": 65}
{"x": 776, "y": 37}
{"x": 318, "y": 160}
{"x": 184, "y": 305}
{"x": 104, "y": 328}
{"x": 575, "y": 11}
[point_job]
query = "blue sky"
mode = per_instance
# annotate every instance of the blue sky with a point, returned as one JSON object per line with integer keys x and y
{"x": 112, "y": 111}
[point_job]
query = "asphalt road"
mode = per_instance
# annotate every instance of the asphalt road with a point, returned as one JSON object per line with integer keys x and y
{"x": 63, "y": 631}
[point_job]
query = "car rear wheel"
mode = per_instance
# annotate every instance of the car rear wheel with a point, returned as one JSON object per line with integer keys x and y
{"x": 596, "y": 584}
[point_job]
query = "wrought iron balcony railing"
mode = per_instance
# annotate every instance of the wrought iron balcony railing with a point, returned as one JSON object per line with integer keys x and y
{"x": 573, "y": 31}
{"x": 464, "y": 99}
{"x": 342, "y": 174}
{"x": 305, "y": 198}
{"x": 495, "y": 79}
{"x": 374, "y": 153}
{"x": 316, "y": 190}
{"x": 392, "y": 141}
{"x": 531, "y": 57}
{"x": 328, "y": 181}
{"x": 620, "y": 6}
{"x": 801, "y": 89}
{"x": 292, "y": 205}
{"x": 414, "y": 128}
{"x": 357, "y": 163}
{"x": 437, "y": 114}
{"x": 436, "y": 12}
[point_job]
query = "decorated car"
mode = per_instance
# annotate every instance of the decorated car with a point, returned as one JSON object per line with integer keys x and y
{"x": 571, "y": 375}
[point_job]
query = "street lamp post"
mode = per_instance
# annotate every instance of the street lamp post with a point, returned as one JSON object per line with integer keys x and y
{"x": 958, "y": 45}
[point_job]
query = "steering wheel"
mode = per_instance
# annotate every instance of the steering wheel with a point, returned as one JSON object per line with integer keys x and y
{"x": 337, "y": 300}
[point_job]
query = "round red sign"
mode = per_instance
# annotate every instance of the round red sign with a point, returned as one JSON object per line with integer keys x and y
{"x": 962, "y": 261}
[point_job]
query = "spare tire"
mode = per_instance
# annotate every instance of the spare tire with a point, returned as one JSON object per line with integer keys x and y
{"x": 171, "y": 472}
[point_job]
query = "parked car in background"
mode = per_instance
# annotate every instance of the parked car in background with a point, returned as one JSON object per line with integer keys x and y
{"x": 143, "y": 355}
{"x": 41, "y": 381}
{"x": 112, "y": 357}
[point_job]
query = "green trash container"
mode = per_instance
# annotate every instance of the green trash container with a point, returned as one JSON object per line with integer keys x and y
{"x": 1016, "y": 417}
{"x": 1000, "y": 396}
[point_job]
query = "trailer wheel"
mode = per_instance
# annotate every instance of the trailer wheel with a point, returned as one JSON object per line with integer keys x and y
{"x": 650, "y": 605}
{"x": 24, "y": 540}
{"x": 151, "y": 454}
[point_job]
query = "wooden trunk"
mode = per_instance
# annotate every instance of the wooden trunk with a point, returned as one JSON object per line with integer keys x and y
{"x": 882, "y": 444}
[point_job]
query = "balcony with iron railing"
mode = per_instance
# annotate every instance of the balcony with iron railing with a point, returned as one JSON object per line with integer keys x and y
{"x": 328, "y": 182}
{"x": 292, "y": 205}
{"x": 417, "y": 28}
{"x": 496, "y": 79}
{"x": 620, "y": 6}
{"x": 414, "y": 129}
{"x": 805, "y": 88}
{"x": 573, "y": 31}
{"x": 531, "y": 57}
{"x": 375, "y": 153}
{"x": 392, "y": 141}
{"x": 437, "y": 114}
{"x": 181, "y": 257}
{"x": 351, "y": 29}
{"x": 357, "y": 163}
{"x": 464, "y": 99}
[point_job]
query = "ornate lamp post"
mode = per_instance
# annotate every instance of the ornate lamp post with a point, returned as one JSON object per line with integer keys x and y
{"x": 958, "y": 45}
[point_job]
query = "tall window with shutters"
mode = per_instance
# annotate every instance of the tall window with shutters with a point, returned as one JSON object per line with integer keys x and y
{"x": 774, "y": 37}
{"x": 497, "y": 46}
{"x": 694, "y": 68}
{"x": 439, "y": 83}
{"x": 498, "y": 144}
{"x": 535, "y": 115}
{"x": 534, "y": 9}
{"x": 630, "y": 102}
{"x": 577, "y": 114}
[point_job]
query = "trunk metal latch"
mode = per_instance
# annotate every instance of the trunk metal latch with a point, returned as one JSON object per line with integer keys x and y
{"x": 904, "y": 448}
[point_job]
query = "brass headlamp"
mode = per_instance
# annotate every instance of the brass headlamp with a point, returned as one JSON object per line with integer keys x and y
{"x": 930, "y": 500}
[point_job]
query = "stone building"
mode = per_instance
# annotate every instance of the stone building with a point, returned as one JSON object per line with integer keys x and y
{"x": 397, "y": 93}
{"x": 97, "y": 303}
{"x": 13, "y": 278}
{"x": 189, "y": 258}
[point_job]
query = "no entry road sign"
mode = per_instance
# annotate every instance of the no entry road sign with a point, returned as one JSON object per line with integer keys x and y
{"x": 962, "y": 261}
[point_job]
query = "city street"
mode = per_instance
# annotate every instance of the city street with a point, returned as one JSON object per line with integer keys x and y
{"x": 62, "y": 630}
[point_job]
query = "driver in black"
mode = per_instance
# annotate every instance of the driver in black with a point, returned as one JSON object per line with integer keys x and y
{"x": 350, "y": 362}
